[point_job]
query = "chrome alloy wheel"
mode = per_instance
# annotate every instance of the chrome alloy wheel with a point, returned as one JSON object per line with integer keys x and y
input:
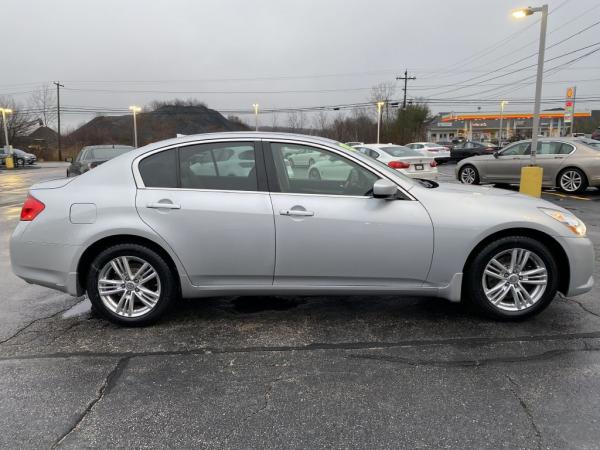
{"x": 129, "y": 286}
{"x": 571, "y": 181}
{"x": 467, "y": 175}
{"x": 515, "y": 279}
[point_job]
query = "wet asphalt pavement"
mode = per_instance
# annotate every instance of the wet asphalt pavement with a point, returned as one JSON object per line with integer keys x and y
{"x": 295, "y": 372}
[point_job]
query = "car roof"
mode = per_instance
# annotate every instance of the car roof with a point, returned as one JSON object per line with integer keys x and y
{"x": 107, "y": 146}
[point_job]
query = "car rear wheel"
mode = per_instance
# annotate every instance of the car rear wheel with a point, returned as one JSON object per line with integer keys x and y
{"x": 468, "y": 175}
{"x": 511, "y": 278}
{"x": 572, "y": 181}
{"x": 130, "y": 284}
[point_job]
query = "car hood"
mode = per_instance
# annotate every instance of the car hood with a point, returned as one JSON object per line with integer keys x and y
{"x": 477, "y": 158}
{"x": 474, "y": 190}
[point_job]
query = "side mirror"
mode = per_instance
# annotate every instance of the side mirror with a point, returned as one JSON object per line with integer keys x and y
{"x": 69, "y": 159}
{"x": 496, "y": 155}
{"x": 384, "y": 189}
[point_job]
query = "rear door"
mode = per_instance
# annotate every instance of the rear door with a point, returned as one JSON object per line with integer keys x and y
{"x": 551, "y": 156}
{"x": 332, "y": 232}
{"x": 213, "y": 210}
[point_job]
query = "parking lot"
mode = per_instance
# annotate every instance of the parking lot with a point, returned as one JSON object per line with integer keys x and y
{"x": 295, "y": 372}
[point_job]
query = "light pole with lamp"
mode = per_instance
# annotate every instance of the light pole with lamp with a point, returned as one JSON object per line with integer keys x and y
{"x": 134, "y": 110}
{"x": 531, "y": 176}
{"x": 502, "y": 104}
{"x": 379, "y": 108}
{"x": 9, "y": 161}
{"x": 255, "y": 106}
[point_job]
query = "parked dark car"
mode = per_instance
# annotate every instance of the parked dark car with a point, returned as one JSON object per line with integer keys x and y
{"x": 467, "y": 149}
{"x": 94, "y": 155}
{"x": 596, "y": 134}
{"x": 20, "y": 157}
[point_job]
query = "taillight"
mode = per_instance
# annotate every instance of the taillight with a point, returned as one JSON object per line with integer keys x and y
{"x": 398, "y": 165}
{"x": 433, "y": 164}
{"x": 31, "y": 208}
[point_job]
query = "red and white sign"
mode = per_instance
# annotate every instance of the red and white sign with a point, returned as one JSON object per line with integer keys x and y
{"x": 570, "y": 105}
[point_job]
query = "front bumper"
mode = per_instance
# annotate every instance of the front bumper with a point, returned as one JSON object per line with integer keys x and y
{"x": 580, "y": 252}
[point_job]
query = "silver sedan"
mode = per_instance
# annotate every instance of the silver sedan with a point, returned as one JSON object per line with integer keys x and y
{"x": 570, "y": 164}
{"x": 145, "y": 228}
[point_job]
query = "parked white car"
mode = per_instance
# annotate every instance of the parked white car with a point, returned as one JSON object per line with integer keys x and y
{"x": 403, "y": 159}
{"x": 304, "y": 158}
{"x": 230, "y": 162}
{"x": 439, "y": 152}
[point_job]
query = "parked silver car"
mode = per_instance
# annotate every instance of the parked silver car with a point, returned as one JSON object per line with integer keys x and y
{"x": 144, "y": 228}
{"x": 570, "y": 164}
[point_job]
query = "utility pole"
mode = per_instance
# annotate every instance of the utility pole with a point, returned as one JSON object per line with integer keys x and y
{"x": 58, "y": 86}
{"x": 405, "y": 78}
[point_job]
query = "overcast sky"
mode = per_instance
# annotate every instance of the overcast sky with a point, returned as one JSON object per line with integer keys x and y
{"x": 113, "y": 53}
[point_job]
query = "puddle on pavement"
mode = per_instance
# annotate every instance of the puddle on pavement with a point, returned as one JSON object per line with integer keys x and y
{"x": 258, "y": 304}
{"x": 79, "y": 309}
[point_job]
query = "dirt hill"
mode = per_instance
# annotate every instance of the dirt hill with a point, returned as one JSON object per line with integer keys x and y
{"x": 164, "y": 122}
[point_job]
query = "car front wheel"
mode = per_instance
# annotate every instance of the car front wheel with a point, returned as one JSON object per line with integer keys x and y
{"x": 130, "y": 284}
{"x": 511, "y": 278}
{"x": 468, "y": 175}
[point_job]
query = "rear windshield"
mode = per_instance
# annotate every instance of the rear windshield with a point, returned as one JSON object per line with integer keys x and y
{"x": 103, "y": 153}
{"x": 593, "y": 144}
{"x": 399, "y": 151}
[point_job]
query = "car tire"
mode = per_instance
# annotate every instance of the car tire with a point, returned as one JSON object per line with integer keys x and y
{"x": 20, "y": 162}
{"x": 151, "y": 298}
{"x": 572, "y": 181}
{"x": 492, "y": 292}
{"x": 468, "y": 174}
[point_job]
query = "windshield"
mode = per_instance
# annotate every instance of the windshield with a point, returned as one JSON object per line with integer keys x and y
{"x": 400, "y": 151}
{"x": 104, "y": 153}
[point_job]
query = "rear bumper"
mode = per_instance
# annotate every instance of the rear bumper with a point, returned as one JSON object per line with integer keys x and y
{"x": 580, "y": 252}
{"x": 49, "y": 265}
{"x": 429, "y": 175}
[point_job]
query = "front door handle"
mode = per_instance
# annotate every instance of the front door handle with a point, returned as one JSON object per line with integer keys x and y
{"x": 296, "y": 212}
{"x": 159, "y": 205}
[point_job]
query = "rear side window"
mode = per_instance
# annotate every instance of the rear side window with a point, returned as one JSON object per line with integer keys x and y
{"x": 160, "y": 169}
{"x": 220, "y": 166}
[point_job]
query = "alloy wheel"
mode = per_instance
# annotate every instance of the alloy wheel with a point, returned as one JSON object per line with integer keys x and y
{"x": 129, "y": 286}
{"x": 515, "y": 279}
{"x": 571, "y": 181}
{"x": 468, "y": 175}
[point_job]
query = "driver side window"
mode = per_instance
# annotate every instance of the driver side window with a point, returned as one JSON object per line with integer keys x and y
{"x": 521, "y": 148}
{"x": 308, "y": 170}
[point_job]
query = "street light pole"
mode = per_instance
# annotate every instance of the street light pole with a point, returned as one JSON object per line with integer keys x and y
{"x": 135, "y": 109}
{"x": 531, "y": 177}
{"x": 379, "y": 107}
{"x": 502, "y": 103}
{"x": 255, "y": 106}
{"x": 5, "y": 111}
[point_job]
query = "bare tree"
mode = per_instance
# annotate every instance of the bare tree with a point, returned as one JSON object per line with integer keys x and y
{"x": 296, "y": 120}
{"x": 321, "y": 123}
{"x": 20, "y": 122}
{"x": 43, "y": 101}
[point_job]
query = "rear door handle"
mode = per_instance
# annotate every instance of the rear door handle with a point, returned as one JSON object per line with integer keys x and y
{"x": 296, "y": 212}
{"x": 159, "y": 205}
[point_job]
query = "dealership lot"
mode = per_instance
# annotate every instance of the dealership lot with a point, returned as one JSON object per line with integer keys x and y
{"x": 296, "y": 372}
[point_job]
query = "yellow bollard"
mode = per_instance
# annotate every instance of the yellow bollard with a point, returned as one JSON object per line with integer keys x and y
{"x": 531, "y": 181}
{"x": 10, "y": 163}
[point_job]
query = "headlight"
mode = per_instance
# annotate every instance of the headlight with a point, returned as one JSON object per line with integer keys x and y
{"x": 567, "y": 219}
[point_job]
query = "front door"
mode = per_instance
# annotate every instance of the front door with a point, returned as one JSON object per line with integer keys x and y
{"x": 506, "y": 168}
{"x": 206, "y": 201}
{"x": 330, "y": 231}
